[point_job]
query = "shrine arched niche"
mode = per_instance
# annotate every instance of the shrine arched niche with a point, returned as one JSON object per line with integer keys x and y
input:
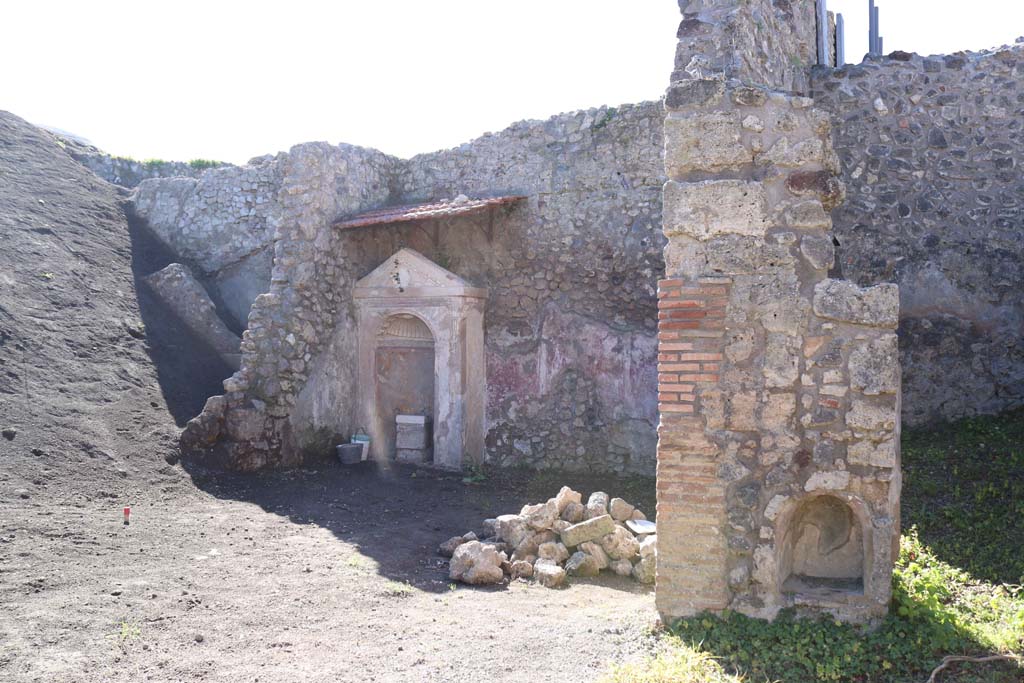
{"x": 420, "y": 348}
{"x": 404, "y": 382}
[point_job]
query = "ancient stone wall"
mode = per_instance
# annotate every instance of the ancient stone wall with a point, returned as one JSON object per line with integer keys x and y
{"x": 778, "y": 452}
{"x": 289, "y": 335}
{"x": 769, "y": 42}
{"x": 571, "y": 317}
{"x": 930, "y": 151}
{"x": 222, "y": 223}
{"x": 571, "y": 313}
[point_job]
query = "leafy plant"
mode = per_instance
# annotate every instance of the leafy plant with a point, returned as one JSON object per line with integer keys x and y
{"x": 126, "y": 632}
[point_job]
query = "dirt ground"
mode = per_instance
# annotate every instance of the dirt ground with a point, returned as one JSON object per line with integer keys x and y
{"x": 314, "y": 575}
{"x": 311, "y": 575}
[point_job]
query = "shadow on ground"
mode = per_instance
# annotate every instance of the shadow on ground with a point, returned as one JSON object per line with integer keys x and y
{"x": 963, "y": 488}
{"x": 188, "y": 370}
{"x": 397, "y": 515}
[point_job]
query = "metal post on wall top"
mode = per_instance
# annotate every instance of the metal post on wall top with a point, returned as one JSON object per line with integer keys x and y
{"x": 874, "y": 40}
{"x": 824, "y": 54}
{"x": 840, "y": 40}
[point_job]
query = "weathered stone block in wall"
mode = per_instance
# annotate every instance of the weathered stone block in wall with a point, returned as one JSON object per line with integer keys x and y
{"x": 873, "y": 454}
{"x": 841, "y": 300}
{"x": 694, "y": 92}
{"x": 786, "y": 153}
{"x": 866, "y": 416}
{"x": 874, "y": 366}
{"x": 818, "y": 250}
{"x": 781, "y": 360}
{"x": 829, "y": 189}
{"x": 806, "y": 215}
{"x": 715, "y": 207}
{"x": 704, "y": 142}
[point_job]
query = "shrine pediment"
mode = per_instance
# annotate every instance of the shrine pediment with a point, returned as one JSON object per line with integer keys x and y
{"x": 410, "y": 273}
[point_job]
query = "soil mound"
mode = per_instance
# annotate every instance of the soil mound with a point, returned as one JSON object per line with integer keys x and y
{"x": 95, "y": 377}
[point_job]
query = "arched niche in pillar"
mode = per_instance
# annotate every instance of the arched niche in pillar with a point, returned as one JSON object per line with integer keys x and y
{"x": 399, "y": 304}
{"x": 825, "y": 544}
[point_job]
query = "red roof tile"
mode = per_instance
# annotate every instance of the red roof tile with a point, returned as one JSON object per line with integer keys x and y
{"x": 428, "y": 211}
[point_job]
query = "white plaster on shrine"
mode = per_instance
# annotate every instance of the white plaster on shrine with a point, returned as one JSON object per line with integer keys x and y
{"x": 409, "y": 284}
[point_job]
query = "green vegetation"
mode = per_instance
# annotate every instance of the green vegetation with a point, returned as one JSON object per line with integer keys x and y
{"x": 125, "y": 632}
{"x": 964, "y": 489}
{"x": 397, "y": 589}
{"x": 956, "y": 588}
{"x": 157, "y": 164}
{"x": 609, "y": 114}
{"x": 200, "y": 164}
{"x": 678, "y": 663}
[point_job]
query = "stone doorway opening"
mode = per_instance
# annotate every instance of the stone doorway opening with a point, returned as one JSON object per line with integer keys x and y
{"x": 824, "y": 550}
{"x": 404, "y": 359}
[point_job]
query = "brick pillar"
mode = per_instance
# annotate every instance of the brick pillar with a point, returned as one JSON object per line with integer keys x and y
{"x": 692, "y": 557}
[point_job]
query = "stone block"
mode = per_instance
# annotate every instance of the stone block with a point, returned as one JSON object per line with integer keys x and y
{"x": 704, "y": 142}
{"x": 512, "y": 529}
{"x": 645, "y": 570}
{"x": 556, "y": 552}
{"x": 542, "y": 515}
{"x": 582, "y": 564}
{"x": 411, "y": 438}
{"x": 715, "y": 207}
{"x": 867, "y": 416}
{"x": 548, "y": 574}
{"x": 828, "y": 481}
{"x": 747, "y": 96}
{"x": 819, "y": 251}
{"x": 477, "y": 563}
{"x": 841, "y": 300}
{"x": 620, "y": 509}
{"x": 565, "y": 497}
{"x": 781, "y": 360}
{"x": 786, "y": 153}
{"x": 779, "y": 411}
{"x": 807, "y": 215}
{"x": 597, "y": 552}
{"x": 873, "y": 454}
{"x": 588, "y": 530}
{"x": 829, "y": 189}
{"x": 694, "y": 92}
{"x": 874, "y": 366}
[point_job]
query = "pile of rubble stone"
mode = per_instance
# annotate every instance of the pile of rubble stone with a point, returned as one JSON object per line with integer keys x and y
{"x": 559, "y": 538}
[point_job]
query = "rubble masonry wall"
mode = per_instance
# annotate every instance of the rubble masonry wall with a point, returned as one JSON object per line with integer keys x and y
{"x": 930, "y": 151}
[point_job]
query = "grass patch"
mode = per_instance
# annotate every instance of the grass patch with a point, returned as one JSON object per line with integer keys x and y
{"x": 956, "y": 587}
{"x": 200, "y": 164}
{"x": 677, "y": 663}
{"x": 964, "y": 490}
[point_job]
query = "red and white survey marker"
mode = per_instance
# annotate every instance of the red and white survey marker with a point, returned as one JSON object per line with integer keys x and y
{"x": 127, "y": 515}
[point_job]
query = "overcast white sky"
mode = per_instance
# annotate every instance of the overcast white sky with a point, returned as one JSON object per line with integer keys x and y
{"x": 232, "y": 80}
